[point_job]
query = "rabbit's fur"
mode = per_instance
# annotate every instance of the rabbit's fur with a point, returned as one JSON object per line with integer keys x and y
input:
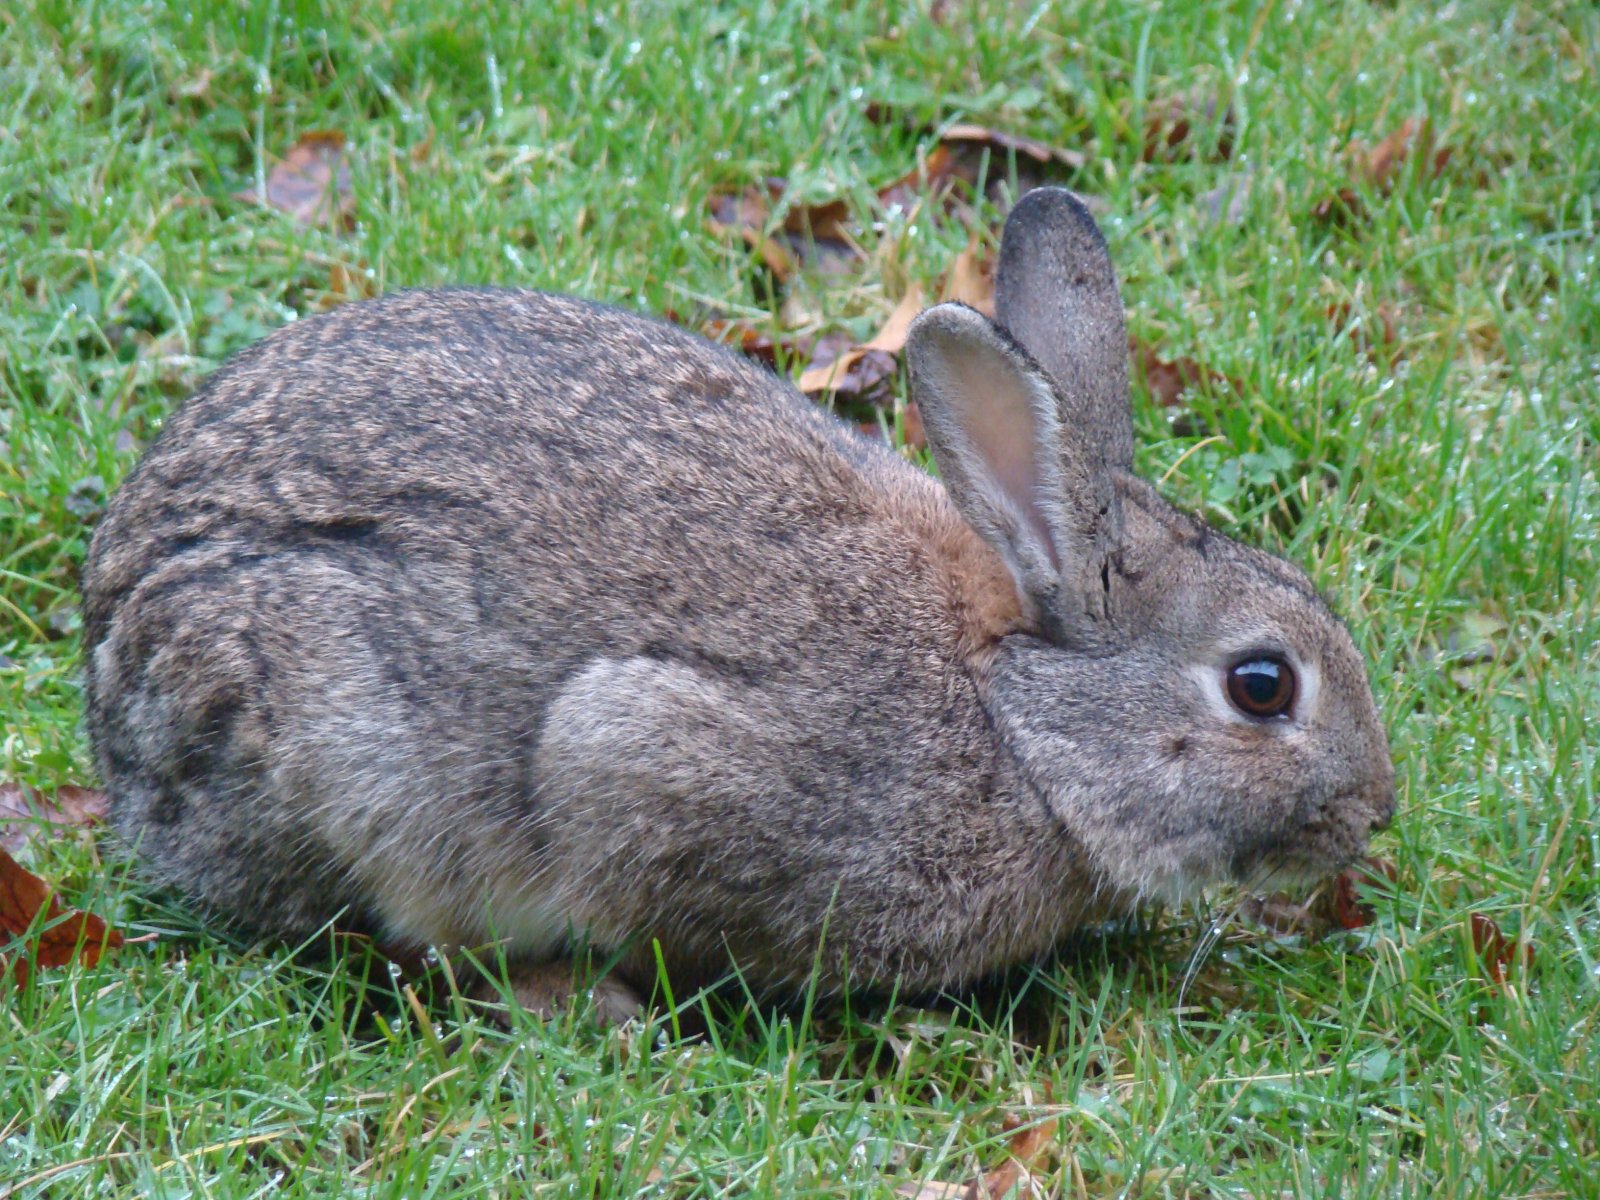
{"x": 477, "y": 614}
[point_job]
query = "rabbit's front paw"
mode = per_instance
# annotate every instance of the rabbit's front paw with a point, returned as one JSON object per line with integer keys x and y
{"x": 547, "y": 989}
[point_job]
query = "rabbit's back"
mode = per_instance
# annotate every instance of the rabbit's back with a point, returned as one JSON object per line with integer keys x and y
{"x": 330, "y": 613}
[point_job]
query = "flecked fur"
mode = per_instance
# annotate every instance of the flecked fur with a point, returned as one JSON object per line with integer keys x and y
{"x": 474, "y": 613}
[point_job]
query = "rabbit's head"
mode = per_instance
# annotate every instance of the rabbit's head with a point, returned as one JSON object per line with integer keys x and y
{"x": 1187, "y": 706}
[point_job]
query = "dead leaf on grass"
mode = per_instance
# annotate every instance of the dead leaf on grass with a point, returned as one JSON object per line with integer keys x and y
{"x": 1173, "y": 129}
{"x": 311, "y": 183}
{"x": 809, "y": 234}
{"x": 995, "y": 139}
{"x": 859, "y": 369}
{"x": 1336, "y": 905}
{"x": 346, "y": 283}
{"x": 1169, "y": 380}
{"x": 1375, "y": 334}
{"x": 957, "y": 158}
{"x": 750, "y": 339}
{"x": 25, "y": 811}
{"x": 1497, "y": 953}
{"x": 970, "y": 279}
{"x": 1028, "y": 1155}
{"x": 744, "y": 337}
{"x": 1379, "y": 167}
{"x": 66, "y": 936}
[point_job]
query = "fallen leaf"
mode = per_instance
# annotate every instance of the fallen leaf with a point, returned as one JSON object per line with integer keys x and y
{"x": 1171, "y": 129}
{"x": 1379, "y": 167}
{"x": 912, "y": 434}
{"x": 24, "y": 811}
{"x": 348, "y": 283}
{"x": 1168, "y": 381}
{"x": 1369, "y": 333}
{"x": 957, "y": 158}
{"x": 1337, "y": 905}
{"x": 934, "y": 176}
{"x": 311, "y": 183}
{"x": 994, "y": 139}
{"x": 748, "y": 340}
{"x": 860, "y": 368}
{"x": 971, "y": 279}
{"x": 1495, "y": 951}
{"x": 808, "y": 234}
{"x": 66, "y": 935}
{"x": 1027, "y": 1156}
{"x": 1413, "y": 140}
{"x": 1343, "y": 908}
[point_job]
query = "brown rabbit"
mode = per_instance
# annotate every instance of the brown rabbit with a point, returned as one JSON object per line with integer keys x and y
{"x": 477, "y": 614}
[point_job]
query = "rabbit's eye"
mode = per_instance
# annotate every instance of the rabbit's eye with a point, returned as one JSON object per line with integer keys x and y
{"x": 1262, "y": 687}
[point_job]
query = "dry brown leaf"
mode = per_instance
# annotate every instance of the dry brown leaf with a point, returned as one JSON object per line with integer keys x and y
{"x": 347, "y": 283}
{"x": 994, "y": 139}
{"x": 749, "y": 340}
{"x": 1169, "y": 380}
{"x": 1414, "y": 141}
{"x": 1335, "y": 906}
{"x": 1375, "y": 334}
{"x": 1379, "y": 167}
{"x": 24, "y": 811}
{"x": 1496, "y": 952}
{"x": 957, "y": 157}
{"x": 810, "y": 234}
{"x": 67, "y": 936}
{"x": 935, "y": 175}
{"x": 971, "y": 279}
{"x": 311, "y": 183}
{"x": 1027, "y": 1156}
{"x": 1170, "y": 128}
{"x": 912, "y": 434}
{"x": 860, "y": 368}
{"x": 744, "y": 214}
{"x": 1340, "y": 907}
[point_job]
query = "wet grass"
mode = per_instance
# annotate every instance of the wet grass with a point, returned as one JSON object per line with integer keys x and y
{"x": 1440, "y": 483}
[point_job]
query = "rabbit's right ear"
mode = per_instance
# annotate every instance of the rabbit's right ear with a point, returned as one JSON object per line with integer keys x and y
{"x": 991, "y": 417}
{"x": 1056, "y": 293}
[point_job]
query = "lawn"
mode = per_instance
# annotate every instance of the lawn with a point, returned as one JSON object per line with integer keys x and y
{"x": 1393, "y": 334}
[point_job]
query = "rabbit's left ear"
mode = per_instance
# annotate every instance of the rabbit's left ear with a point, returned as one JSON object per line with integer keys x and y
{"x": 1021, "y": 480}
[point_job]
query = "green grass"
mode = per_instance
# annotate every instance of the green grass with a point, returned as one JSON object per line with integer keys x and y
{"x": 1447, "y": 500}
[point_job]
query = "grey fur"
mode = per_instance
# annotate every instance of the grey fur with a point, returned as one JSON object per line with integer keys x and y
{"x": 481, "y": 613}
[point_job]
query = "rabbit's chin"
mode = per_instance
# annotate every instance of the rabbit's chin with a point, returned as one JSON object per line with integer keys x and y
{"x": 1177, "y": 884}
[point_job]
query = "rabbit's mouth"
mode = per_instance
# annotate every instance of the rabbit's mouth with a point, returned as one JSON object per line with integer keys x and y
{"x": 1293, "y": 872}
{"x": 1332, "y": 835}
{"x": 1292, "y": 875}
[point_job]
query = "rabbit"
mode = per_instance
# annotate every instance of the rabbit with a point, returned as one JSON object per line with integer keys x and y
{"x": 491, "y": 616}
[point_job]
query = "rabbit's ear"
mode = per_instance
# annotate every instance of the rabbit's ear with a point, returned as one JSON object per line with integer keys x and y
{"x": 1056, "y": 294}
{"x": 992, "y": 421}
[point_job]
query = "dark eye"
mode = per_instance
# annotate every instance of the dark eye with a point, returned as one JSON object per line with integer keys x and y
{"x": 1262, "y": 687}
